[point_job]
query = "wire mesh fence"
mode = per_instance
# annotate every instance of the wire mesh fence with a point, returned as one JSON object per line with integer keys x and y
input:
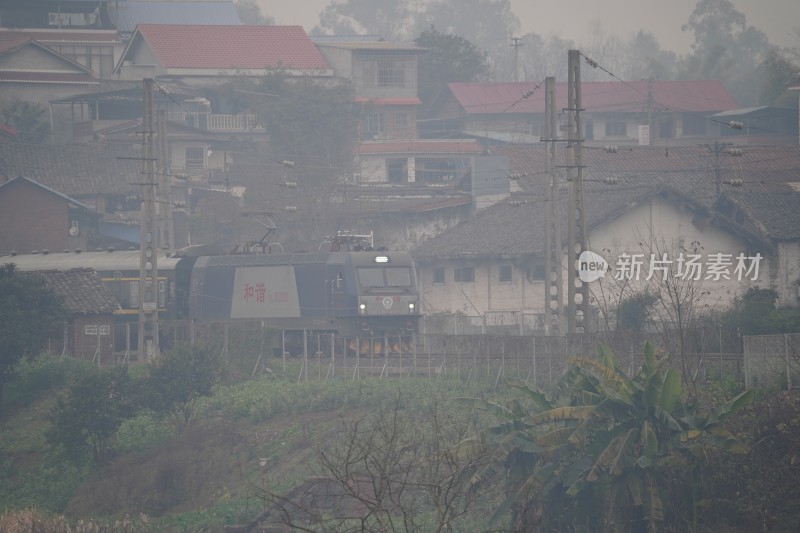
{"x": 772, "y": 361}
{"x": 497, "y": 348}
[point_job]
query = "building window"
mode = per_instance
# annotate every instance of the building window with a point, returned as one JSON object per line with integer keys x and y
{"x": 505, "y": 274}
{"x": 397, "y": 170}
{"x": 387, "y": 71}
{"x": 162, "y": 293}
{"x": 195, "y": 157}
{"x": 392, "y": 72}
{"x": 616, "y": 128}
{"x": 536, "y": 272}
{"x": 438, "y": 275}
{"x": 373, "y": 125}
{"x": 99, "y": 59}
{"x": 464, "y": 274}
{"x": 134, "y": 294}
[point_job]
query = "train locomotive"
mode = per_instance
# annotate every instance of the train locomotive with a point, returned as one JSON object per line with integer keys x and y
{"x": 357, "y": 294}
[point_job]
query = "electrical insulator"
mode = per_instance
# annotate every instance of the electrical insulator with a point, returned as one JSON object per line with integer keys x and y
{"x": 290, "y": 208}
{"x": 735, "y": 182}
{"x": 286, "y": 163}
{"x": 610, "y": 180}
{"x": 290, "y": 184}
{"x": 610, "y": 149}
{"x": 514, "y": 176}
{"x": 735, "y": 125}
{"x": 736, "y": 152}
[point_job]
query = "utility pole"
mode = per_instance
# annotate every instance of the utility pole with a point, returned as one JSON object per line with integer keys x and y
{"x": 577, "y": 291}
{"x": 554, "y": 299}
{"x": 148, "y": 235}
{"x": 166, "y": 238}
{"x": 516, "y": 42}
{"x": 717, "y": 149}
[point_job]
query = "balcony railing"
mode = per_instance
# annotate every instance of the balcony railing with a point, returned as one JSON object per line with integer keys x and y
{"x": 234, "y": 123}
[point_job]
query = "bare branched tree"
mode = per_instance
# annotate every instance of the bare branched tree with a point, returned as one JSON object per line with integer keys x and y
{"x": 390, "y": 471}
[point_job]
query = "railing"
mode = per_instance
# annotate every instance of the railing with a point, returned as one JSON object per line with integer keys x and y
{"x": 234, "y": 123}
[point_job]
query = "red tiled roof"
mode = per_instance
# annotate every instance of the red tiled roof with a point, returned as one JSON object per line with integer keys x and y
{"x": 7, "y": 130}
{"x": 226, "y": 47}
{"x": 420, "y": 147}
{"x": 597, "y": 97}
{"x": 47, "y": 77}
{"x": 13, "y": 38}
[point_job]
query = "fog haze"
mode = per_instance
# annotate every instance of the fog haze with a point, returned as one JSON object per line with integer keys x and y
{"x": 576, "y": 20}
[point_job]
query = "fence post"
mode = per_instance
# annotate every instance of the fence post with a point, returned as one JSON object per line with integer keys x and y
{"x": 788, "y": 366}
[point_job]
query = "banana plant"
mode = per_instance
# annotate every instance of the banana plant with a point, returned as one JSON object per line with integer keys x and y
{"x": 603, "y": 451}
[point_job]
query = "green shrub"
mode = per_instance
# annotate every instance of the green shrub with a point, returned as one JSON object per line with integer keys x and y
{"x": 141, "y": 433}
{"x": 35, "y": 376}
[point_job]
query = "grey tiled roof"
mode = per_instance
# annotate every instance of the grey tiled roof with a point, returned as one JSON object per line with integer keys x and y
{"x": 73, "y": 169}
{"x": 515, "y": 226}
{"x": 81, "y": 291}
{"x": 774, "y": 214}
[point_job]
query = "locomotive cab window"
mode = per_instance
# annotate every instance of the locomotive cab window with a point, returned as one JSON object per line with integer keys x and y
{"x": 370, "y": 277}
{"x": 384, "y": 276}
{"x": 398, "y": 277}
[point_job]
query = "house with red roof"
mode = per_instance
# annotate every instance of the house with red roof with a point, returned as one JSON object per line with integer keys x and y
{"x": 192, "y": 52}
{"x": 615, "y": 113}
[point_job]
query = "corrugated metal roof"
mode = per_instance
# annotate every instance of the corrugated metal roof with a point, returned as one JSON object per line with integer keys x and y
{"x": 127, "y": 15}
{"x": 691, "y": 96}
{"x": 232, "y": 47}
{"x": 387, "y": 101}
{"x": 124, "y": 260}
{"x": 370, "y": 46}
{"x": 12, "y": 38}
{"x": 47, "y": 77}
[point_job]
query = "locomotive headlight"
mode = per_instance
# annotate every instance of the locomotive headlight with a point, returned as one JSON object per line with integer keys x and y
{"x": 411, "y": 307}
{"x": 362, "y": 308}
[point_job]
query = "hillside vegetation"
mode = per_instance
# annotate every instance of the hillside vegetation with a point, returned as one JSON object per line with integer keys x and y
{"x": 237, "y": 452}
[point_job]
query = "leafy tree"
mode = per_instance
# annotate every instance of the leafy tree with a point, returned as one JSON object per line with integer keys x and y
{"x": 177, "y": 379}
{"x": 391, "y": 19}
{"x": 725, "y": 48}
{"x": 30, "y": 121}
{"x": 250, "y": 13}
{"x": 29, "y": 314}
{"x": 489, "y": 24}
{"x": 755, "y": 313}
{"x": 449, "y": 58}
{"x": 777, "y": 73}
{"x": 85, "y": 420}
{"x": 635, "y": 310}
{"x": 604, "y": 451}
